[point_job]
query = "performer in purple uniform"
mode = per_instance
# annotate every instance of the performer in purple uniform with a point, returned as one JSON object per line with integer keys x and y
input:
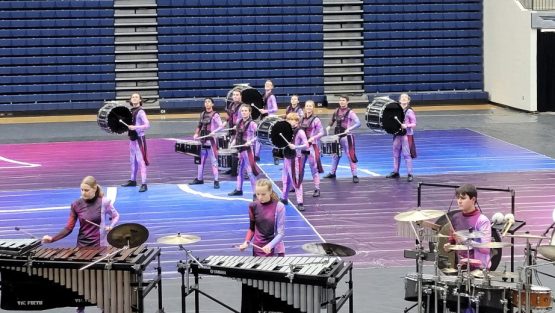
{"x": 137, "y": 142}
{"x": 267, "y": 222}
{"x": 245, "y": 138}
{"x": 270, "y": 109}
{"x": 470, "y": 218}
{"x": 294, "y": 107}
{"x": 346, "y": 120}
{"x": 293, "y": 162}
{"x": 404, "y": 144}
{"x": 233, "y": 117}
{"x": 313, "y": 129}
{"x": 209, "y": 123}
{"x": 93, "y": 211}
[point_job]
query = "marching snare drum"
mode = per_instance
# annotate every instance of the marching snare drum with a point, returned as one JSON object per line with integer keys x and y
{"x": 540, "y": 297}
{"x": 385, "y": 114}
{"x": 329, "y": 145}
{"x": 222, "y": 140}
{"x": 109, "y": 117}
{"x": 225, "y": 158}
{"x": 188, "y": 147}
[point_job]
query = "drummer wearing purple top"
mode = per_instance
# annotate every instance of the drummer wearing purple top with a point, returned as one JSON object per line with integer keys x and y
{"x": 209, "y": 123}
{"x": 294, "y": 106}
{"x": 245, "y": 137}
{"x": 312, "y": 126}
{"x": 137, "y": 142}
{"x": 270, "y": 109}
{"x": 403, "y": 145}
{"x": 266, "y": 222}
{"x": 293, "y": 163}
{"x": 347, "y": 121}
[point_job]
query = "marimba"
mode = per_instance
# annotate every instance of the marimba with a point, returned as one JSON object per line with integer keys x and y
{"x": 306, "y": 284}
{"x": 46, "y": 278}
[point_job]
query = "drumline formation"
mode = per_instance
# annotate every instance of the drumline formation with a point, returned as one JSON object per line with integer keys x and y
{"x": 452, "y": 289}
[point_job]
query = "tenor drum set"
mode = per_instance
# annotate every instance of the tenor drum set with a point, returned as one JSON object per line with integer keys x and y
{"x": 464, "y": 285}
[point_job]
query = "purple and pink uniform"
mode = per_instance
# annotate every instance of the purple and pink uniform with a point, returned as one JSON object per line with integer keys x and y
{"x": 233, "y": 114}
{"x": 297, "y": 109}
{"x": 267, "y": 226}
{"x": 137, "y": 144}
{"x": 210, "y": 122}
{"x": 246, "y": 132}
{"x": 97, "y": 210}
{"x": 314, "y": 130}
{"x": 475, "y": 221}
{"x": 346, "y": 120}
{"x": 270, "y": 102}
{"x": 401, "y": 144}
{"x": 293, "y": 166}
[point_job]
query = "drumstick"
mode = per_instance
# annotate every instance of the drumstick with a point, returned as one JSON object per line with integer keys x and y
{"x": 123, "y": 123}
{"x": 259, "y": 109}
{"x": 395, "y": 117}
{"x": 93, "y": 223}
{"x": 284, "y": 138}
{"x": 250, "y": 243}
{"x": 226, "y": 129}
{"x": 239, "y": 146}
{"x": 205, "y": 136}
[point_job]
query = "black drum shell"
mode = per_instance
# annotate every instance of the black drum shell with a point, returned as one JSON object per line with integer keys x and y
{"x": 381, "y": 115}
{"x": 249, "y": 96}
{"x": 109, "y": 115}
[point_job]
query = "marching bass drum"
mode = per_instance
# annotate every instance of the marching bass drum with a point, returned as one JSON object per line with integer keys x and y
{"x": 269, "y": 130}
{"x": 249, "y": 96}
{"x": 109, "y": 117}
{"x": 385, "y": 114}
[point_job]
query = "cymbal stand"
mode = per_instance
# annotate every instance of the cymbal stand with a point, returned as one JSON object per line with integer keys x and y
{"x": 185, "y": 269}
{"x": 419, "y": 264}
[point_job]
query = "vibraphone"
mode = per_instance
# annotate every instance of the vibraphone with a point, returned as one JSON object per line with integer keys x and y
{"x": 46, "y": 278}
{"x": 306, "y": 284}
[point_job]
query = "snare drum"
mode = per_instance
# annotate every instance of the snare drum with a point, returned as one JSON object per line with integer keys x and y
{"x": 188, "y": 147}
{"x": 225, "y": 158}
{"x": 385, "y": 114}
{"x": 329, "y": 145}
{"x": 540, "y": 297}
{"x": 411, "y": 285}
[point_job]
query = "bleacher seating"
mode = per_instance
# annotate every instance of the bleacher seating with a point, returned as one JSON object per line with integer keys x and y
{"x": 56, "y": 54}
{"x": 429, "y": 48}
{"x": 205, "y": 47}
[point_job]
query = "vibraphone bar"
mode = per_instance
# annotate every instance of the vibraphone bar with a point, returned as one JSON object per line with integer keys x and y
{"x": 46, "y": 278}
{"x": 305, "y": 284}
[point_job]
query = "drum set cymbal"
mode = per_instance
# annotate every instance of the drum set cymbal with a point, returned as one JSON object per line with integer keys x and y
{"x": 470, "y": 234}
{"x": 493, "y": 245}
{"x": 129, "y": 235}
{"x": 418, "y": 215}
{"x": 328, "y": 249}
{"x": 547, "y": 251}
{"x": 179, "y": 239}
{"x": 526, "y": 236}
{"x": 460, "y": 247}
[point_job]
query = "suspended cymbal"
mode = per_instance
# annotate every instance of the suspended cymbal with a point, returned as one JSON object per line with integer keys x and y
{"x": 459, "y": 247}
{"x": 470, "y": 234}
{"x": 418, "y": 215}
{"x": 493, "y": 245}
{"x": 526, "y": 236}
{"x": 179, "y": 239}
{"x": 326, "y": 248}
{"x": 449, "y": 271}
{"x": 547, "y": 251}
{"x": 130, "y": 235}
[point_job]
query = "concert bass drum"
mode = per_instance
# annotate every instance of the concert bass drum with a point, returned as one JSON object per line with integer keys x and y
{"x": 109, "y": 117}
{"x": 249, "y": 96}
{"x": 385, "y": 115}
{"x": 269, "y": 130}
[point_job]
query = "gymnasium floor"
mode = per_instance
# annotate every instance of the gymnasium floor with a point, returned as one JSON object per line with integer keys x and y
{"x": 42, "y": 161}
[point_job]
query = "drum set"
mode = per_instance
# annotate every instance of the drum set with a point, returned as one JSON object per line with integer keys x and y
{"x": 464, "y": 286}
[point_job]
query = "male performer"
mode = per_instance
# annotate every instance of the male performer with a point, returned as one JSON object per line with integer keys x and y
{"x": 209, "y": 123}
{"x": 346, "y": 120}
{"x": 233, "y": 117}
{"x": 403, "y": 145}
{"x": 137, "y": 142}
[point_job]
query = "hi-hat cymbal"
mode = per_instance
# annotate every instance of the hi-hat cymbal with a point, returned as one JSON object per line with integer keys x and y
{"x": 326, "y": 248}
{"x": 418, "y": 215}
{"x": 470, "y": 234}
{"x": 547, "y": 251}
{"x": 492, "y": 245}
{"x": 131, "y": 235}
{"x": 526, "y": 236}
{"x": 179, "y": 239}
{"x": 504, "y": 275}
{"x": 449, "y": 271}
{"x": 459, "y": 247}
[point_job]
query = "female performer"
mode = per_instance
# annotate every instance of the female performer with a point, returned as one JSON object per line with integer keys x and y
{"x": 245, "y": 137}
{"x": 209, "y": 123}
{"x": 404, "y": 144}
{"x": 93, "y": 211}
{"x": 293, "y": 162}
{"x": 137, "y": 142}
{"x": 313, "y": 129}
{"x": 294, "y": 106}
{"x": 347, "y": 121}
{"x": 270, "y": 108}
